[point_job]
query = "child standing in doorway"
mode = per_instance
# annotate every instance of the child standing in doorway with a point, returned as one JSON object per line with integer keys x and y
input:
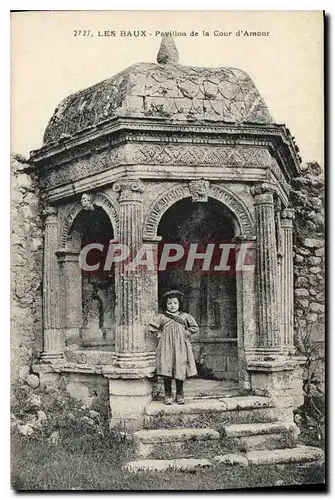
{"x": 174, "y": 357}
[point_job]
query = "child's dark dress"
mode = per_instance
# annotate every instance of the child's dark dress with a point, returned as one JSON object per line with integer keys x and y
{"x": 174, "y": 351}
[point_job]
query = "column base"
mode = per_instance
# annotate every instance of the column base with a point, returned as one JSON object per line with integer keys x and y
{"x": 289, "y": 350}
{"x": 135, "y": 360}
{"x": 259, "y": 353}
{"x": 54, "y": 345}
{"x": 52, "y": 357}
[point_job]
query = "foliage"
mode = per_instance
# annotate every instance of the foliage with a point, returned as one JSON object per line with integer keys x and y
{"x": 311, "y": 415}
{"x": 38, "y": 465}
{"x": 65, "y": 416}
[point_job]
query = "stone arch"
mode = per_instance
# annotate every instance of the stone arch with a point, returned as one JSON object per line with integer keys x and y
{"x": 245, "y": 224}
{"x": 100, "y": 200}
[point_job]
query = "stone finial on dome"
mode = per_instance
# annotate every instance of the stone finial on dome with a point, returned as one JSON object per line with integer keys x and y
{"x": 168, "y": 52}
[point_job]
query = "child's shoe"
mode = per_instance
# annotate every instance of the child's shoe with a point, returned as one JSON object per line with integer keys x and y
{"x": 180, "y": 399}
{"x": 168, "y": 400}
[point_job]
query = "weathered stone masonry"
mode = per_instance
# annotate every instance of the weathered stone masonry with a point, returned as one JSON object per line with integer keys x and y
{"x": 26, "y": 267}
{"x": 309, "y": 264}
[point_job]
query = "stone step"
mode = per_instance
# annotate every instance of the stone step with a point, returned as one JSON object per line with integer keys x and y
{"x": 201, "y": 388}
{"x": 181, "y": 464}
{"x": 260, "y": 436}
{"x": 242, "y": 430}
{"x": 197, "y": 412}
{"x": 298, "y": 455}
{"x": 172, "y": 441}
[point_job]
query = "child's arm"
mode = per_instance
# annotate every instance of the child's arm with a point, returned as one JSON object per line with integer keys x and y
{"x": 192, "y": 326}
{"x": 155, "y": 325}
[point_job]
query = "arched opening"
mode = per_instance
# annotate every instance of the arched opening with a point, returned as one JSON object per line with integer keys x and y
{"x": 97, "y": 287}
{"x": 210, "y": 294}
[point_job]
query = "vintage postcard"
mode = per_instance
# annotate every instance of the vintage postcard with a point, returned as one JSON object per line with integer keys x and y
{"x": 167, "y": 211}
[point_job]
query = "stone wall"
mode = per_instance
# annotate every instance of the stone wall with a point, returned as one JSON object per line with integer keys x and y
{"x": 309, "y": 273}
{"x": 26, "y": 267}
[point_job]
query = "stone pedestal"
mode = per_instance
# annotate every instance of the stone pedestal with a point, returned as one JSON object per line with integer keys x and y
{"x": 269, "y": 341}
{"x": 286, "y": 282}
{"x": 274, "y": 379}
{"x": 298, "y": 381}
{"x": 53, "y": 334}
{"x": 128, "y": 399}
{"x": 71, "y": 297}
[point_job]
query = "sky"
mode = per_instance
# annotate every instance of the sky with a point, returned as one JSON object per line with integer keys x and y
{"x": 48, "y": 62}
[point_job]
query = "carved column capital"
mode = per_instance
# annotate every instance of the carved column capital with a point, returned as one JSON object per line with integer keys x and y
{"x": 264, "y": 193}
{"x": 287, "y": 217}
{"x": 129, "y": 189}
{"x": 288, "y": 213}
{"x": 50, "y": 213}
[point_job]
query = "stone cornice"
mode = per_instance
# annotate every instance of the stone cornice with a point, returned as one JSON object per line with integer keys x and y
{"x": 118, "y": 131}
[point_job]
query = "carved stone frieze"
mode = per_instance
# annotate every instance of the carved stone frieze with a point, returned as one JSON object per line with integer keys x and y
{"x": 158, "y": 154}
{"x": 81, "y": 168}
{"x": 211, "y": 155}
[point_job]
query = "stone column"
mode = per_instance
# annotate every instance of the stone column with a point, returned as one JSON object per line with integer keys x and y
{"x": 130, "y": 387}
{"x": 271, "y": 373}
{"x": 150, "y": 291}
{"x": 53, "y": 334}
{"x": 246, "y": 308}
{"x": 71, "y": 294}
{"x": 286, "y": 280}
{"x": 130, "y": 342}
{"x": 266, "y": 269}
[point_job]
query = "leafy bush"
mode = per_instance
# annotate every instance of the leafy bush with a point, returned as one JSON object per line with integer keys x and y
{"x": 65, "y": 416}
{"x": 311, "y": 415}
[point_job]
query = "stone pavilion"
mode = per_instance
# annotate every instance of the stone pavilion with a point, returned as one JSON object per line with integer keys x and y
{"x": 163, "y": 152}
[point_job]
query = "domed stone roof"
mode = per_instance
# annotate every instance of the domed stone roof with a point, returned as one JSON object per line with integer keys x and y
{"x": 166, "y": 90}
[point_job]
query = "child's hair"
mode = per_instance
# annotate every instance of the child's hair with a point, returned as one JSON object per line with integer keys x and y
{"x": 173, "y": 294}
